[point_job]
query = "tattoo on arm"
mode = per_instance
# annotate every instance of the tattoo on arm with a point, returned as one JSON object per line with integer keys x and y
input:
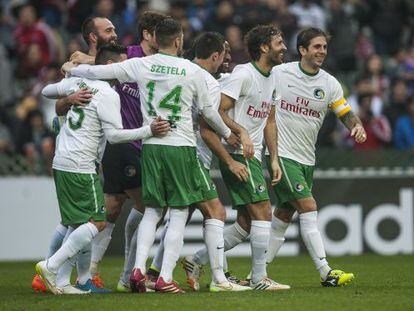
{"x": 350, "y": 120}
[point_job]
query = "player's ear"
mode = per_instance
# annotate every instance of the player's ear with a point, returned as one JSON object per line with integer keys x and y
{"x": 215, "y": 56}
{"x": 264, "y": 48}
{"x": 146, "y": 35}
{"x": 302, "y": 50}
{"x": 93, "y": 38}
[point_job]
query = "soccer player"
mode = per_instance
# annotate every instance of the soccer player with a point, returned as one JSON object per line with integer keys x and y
{"x": 248, "y": 98}
{"x": 96, "y": 32}
{"x": 170, "y": 169}
{"x": 209, "y": 50}
{"x": 78, "y": 186}
{"x": 121, "y": 162}
{"x": 307, "y": 93}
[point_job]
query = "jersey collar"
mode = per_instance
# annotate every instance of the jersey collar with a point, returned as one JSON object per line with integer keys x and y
{"x": 306, "y": 72}
{"x": 265, "y": 74}
{"x": 169, "y": 54}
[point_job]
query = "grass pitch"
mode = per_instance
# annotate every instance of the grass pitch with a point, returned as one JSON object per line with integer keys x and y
{"x": 382, "y": 283}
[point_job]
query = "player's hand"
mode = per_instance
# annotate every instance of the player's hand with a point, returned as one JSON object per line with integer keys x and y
{"x": 80, "y": 98}
{"x": 160, "y": 127}
{"x": 82, "y": 58}
{"x": 233, "y": 141}
{"x": 359, "y": 134}
{"x": 248, "y": 150}
{"x": 239, "y": 170}
{"x": 66, "y": 67}
{"x": 277, "y": 172}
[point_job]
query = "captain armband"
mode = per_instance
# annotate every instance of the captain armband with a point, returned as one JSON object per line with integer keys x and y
{"x": 340, "y": 107}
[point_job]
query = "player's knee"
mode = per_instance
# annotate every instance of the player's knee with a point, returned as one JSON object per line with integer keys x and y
{"x": 284, "y": 214}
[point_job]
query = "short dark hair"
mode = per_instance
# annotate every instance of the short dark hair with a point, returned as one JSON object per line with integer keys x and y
{"x": 207, "y": 43}
{"x": 307, "y": 34}
{"x": 109, "y": 51}
{"x": 147, "y": 21}
{"x": 166, "y": 31}
{"x": 257, "y": 36}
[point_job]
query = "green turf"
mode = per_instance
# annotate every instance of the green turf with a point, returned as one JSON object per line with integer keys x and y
{"x": 382, "y": 283}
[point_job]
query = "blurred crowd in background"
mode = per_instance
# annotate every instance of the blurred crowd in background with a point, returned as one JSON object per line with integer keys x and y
{"x": 371, "y": 53}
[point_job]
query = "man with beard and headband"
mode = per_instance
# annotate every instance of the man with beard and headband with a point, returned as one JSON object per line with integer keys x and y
{"x": 247, "y": 105}
{"x": 169, "y": 85}
{"x": 121, "y": 162}
{"x": 307, "y": 93}
{"x": 96, "y": 32}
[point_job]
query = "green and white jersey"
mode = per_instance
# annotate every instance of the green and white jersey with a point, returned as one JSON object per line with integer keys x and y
{"x": 79, "y": 139}
{"x": 305, "y": 99}
{"x": 253, "y": 92}
{"x": 214, "y": 91}
{"x": 168, "y": 87}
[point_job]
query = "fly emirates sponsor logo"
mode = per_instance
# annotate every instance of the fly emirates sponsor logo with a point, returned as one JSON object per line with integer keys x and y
{"x": 262, "y": 112}
{"x": 300, "y": 107}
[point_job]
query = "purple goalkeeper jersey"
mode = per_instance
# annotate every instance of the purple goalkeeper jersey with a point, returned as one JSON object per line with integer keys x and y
{"x": 129, "y": 96}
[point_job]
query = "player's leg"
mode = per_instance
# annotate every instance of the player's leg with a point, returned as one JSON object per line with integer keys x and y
{"x": 81, "y": 201}
{"x": 55, "y": 243}
{"x": 281, "y": 219}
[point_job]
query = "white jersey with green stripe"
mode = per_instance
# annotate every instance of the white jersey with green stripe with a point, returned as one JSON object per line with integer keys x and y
{"x": 214, "y": 91}
{"x": 305, "y": 100}
{"x": 254, "y": 93}
{"x": 168, "y": 87}
{"x": 80, "y": 137}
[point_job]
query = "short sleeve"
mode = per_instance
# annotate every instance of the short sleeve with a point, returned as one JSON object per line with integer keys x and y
{"x": 109, "y": 110}
{"x": 236, "y": 84}
{"x": 338, "y": 103}
{"x": 202, "y": 96}
{"x": 277, "y": 94}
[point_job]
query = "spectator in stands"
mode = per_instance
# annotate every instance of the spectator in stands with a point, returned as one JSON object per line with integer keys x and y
{"x": 404, "y": 129}
{"x": 308, "y": 14}
{"x": 407, "y": 69}
{"x": 35, "y": 141}
{"x": 397, "y": 103}
{"x": 378, "y": 129}
{"x": 238, "y": 53}
{"x": 31, "y": 33}
{"x": 363, "y": 86}
{"x": 223, "y": 17}
{"x": 374, "y": 71}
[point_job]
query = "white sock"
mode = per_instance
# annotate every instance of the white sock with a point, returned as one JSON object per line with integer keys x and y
{"x": 131, "y": 229}
{"x": 259, "y": 241}
{"x": 313, "y": 241}
{"x": 225, "y": 264}
{"x": 277, "y": 237}
{"x": 57, "y": 239}
{"x": 83, "y": 264}
{"x": 131, "y": 225}
{"x": 215, "y": 245}
{"x": 77, "y": 240}
{"x": 159, "y": 255}
{"x": 65, "y": 271}
{"x": 173, "y": 242}
{"x": 146, "y": 236}
{"x": 101, "y": 242}
{"x": 233, "y": 235}
{"x": 130, "y": 261}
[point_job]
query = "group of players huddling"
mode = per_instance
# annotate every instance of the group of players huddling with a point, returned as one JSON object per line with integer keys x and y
{"x": 160, "y": 117}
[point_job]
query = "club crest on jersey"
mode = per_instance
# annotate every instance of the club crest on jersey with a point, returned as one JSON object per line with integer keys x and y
{"x": 102, "y": 209}
{"x": 213, "y": 186}
{"x": 130, "y": 171}
{"x": 299, "y": 187}
{"x": 260, "y": 188}
{"x": 319, "y": 93}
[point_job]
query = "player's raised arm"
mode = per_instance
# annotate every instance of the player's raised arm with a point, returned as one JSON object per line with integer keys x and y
{"x": 126, "y": 71}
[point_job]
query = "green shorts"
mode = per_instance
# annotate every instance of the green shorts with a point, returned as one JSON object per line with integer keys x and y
{"x": 243, "y": 193}
{"x": 80, "y": 197}
{"x": 171, "y": 176}
{"x": 295, "y": 184}
{"x": 208, "y": 188}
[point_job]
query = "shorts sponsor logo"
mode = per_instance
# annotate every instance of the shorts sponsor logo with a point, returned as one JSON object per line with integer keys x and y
{"x": 319, "y": 93}
{"x": 130, "y": 171}
{"x": 102, "y": 209}
{"x": 213, "y": 186}
{"x": 261, "y": 188}
{"x": 299, "y": 187}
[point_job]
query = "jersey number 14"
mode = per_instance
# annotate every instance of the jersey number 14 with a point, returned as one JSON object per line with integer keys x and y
{"x": 170, "y": 101}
